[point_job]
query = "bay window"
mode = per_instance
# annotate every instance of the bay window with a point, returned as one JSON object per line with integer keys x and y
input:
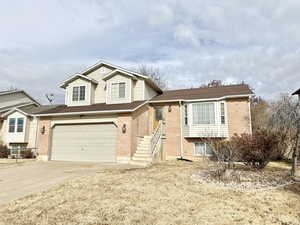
{"x": 203, "y": 113}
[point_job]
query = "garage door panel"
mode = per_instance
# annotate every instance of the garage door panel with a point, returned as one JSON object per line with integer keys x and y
{"x": 84, "y": 142}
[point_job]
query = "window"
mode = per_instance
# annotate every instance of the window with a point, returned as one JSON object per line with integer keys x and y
{"x": 118, "y": 91}
{"x": 204, "y": 113}
{"x": 222, "y": 113}
{"x": 12, "y": 125}
{"x": 78, "y": 93}
{"x": 203, "y": 149}
{"x": 20, "y": 125}
{"x": 186, "y": 120}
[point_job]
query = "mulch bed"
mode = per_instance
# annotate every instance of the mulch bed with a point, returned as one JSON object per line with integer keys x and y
{"x": 246, "y": 179}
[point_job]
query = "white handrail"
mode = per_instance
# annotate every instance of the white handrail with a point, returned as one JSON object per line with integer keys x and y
{"x": 156, "y": 137}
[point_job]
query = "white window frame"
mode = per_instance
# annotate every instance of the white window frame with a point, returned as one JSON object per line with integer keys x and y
{"x": 215, "y": 114}
{"x": 111, "y": 90}
{"x": 225, "y": 113}
{"x": 78, "y": 97}
{"x": 186, "y": 115}
{"x": 16, "y": 125}
{"x": 205, "y": 149}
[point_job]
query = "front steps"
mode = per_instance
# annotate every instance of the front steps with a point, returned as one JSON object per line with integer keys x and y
{"x": 143, "y": 156}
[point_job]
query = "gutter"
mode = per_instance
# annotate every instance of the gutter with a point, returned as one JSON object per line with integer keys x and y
{"x": 92, "y": 112}
{"x": 203, "y": 99}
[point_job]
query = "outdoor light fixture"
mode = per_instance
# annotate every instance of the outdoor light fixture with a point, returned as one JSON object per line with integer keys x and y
{"x": 43, "y": 129}
{"x": 170, "y": 108}
{"x": 124, "y": 128}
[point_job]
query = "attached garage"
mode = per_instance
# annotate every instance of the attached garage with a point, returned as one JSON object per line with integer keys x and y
{"x": 84, "y": 142}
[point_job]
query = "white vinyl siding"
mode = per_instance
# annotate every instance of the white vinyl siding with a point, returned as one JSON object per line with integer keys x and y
{"x": 204, "y": 113}
{"x": 203, "y": 149}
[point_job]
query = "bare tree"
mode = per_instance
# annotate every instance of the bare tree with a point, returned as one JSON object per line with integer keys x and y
{"x": 285, "y": 118}
{"x": 155, "y": 74}
{"x": 260, "y": 113}
{"x": 50, "y": 97}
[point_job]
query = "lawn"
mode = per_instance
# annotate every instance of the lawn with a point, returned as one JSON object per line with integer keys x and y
{"x": 161, "y": 194}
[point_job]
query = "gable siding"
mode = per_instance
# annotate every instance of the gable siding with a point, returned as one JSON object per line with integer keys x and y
{"x": 128, "y": 91}
{"x": 69, "y": 92}
{"x": 13, "y": 99}
{"x": 99, "y": 95}
{"x": 149, "y": 92}
{"x": 138, "y": 90}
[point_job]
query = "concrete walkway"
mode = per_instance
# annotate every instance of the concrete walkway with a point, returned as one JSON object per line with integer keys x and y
{"x": 32, "y": 177}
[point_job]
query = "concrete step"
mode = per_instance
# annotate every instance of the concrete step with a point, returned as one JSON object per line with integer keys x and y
{"x": 141, "y": 158}
{"x": 142, "y": 154}
{"x": 140, "y": 163}
{"x": 143, "y": 151}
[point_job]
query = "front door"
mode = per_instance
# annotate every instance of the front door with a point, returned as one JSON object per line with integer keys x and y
{"x": 158, "y": 116}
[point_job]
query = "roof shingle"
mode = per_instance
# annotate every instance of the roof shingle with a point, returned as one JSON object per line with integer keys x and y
{"x": 204, "y": 93}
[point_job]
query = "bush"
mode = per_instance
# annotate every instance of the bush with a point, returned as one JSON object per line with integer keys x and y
{"x": 256, "y": 150}
{"x": 4, "y": 151}
{"x": 27, "y": 154}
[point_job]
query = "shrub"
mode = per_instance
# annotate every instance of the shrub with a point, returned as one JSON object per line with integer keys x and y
{"x": 256, "y": 150}
{"x": 27, "y": 154}
{"x": 4, "y": 151}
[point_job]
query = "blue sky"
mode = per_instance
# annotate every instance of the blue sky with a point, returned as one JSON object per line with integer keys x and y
{"x": 192, "y": 42}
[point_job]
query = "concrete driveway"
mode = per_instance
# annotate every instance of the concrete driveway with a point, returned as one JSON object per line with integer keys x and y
{"x": 29, "y": 178}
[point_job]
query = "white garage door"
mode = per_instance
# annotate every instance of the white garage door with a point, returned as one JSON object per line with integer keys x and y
{"x": 84, "y": 142}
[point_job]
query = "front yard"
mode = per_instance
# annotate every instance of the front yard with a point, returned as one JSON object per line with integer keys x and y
{"x": 161, "y": 194}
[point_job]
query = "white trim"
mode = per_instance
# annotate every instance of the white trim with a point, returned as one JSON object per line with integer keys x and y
{"x": 92, "y": 112}
{"x": 63, "y": 85}
{"x": 101, "y": 62}
{"x": 78, "y": 99}
{"x": 144, "y": 90}
{"x": 15, "y": 109}
{"x": 111, "y": 74}
{"x": 202, "y": 100}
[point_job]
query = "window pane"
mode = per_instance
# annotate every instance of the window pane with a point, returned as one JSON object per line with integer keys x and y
{"x": 122, "y": 90}
{"x": 222, "y": 113}
{"x": 204, "y": 113}
{"x": 12, "y": 123}
{"x": 75, "y": 93}
{"x": 82, "y": 93}
{"x": 20, "y": 125}
{"x": 186, "y": 115}
{"x": 199, "y": 149}
{"x": 209, "y": 151}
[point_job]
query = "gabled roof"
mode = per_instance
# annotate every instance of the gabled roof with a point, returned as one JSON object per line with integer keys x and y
{"x": 29, "y": 110}
{"x": 297, "y": 92}
{"x": 76, "y": 76}
{"x": 18, "y": 91}
{"x": 115, "y": 68}
{"x": 112, "y": 73}
{"x": 229, "y": 91}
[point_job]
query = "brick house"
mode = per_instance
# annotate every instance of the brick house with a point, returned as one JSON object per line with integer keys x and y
{"x": 115, "y": 115}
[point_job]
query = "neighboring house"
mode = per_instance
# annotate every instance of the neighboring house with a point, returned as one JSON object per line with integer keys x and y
{"x": 18, "y": 127}
{"x": 115, "y": 115}
{"x": 297, "y": 93}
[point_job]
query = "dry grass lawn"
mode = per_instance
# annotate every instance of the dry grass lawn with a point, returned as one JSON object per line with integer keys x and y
{"x": 161, "y": 194}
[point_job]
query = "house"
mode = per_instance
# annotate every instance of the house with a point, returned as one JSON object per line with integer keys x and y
{"x": 112, "y": 114}
{"x": 18, "y": 127}
{"x": 297, "y": 93}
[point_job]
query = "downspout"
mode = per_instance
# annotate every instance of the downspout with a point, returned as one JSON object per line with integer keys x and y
{"x": 181, "y": 136}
